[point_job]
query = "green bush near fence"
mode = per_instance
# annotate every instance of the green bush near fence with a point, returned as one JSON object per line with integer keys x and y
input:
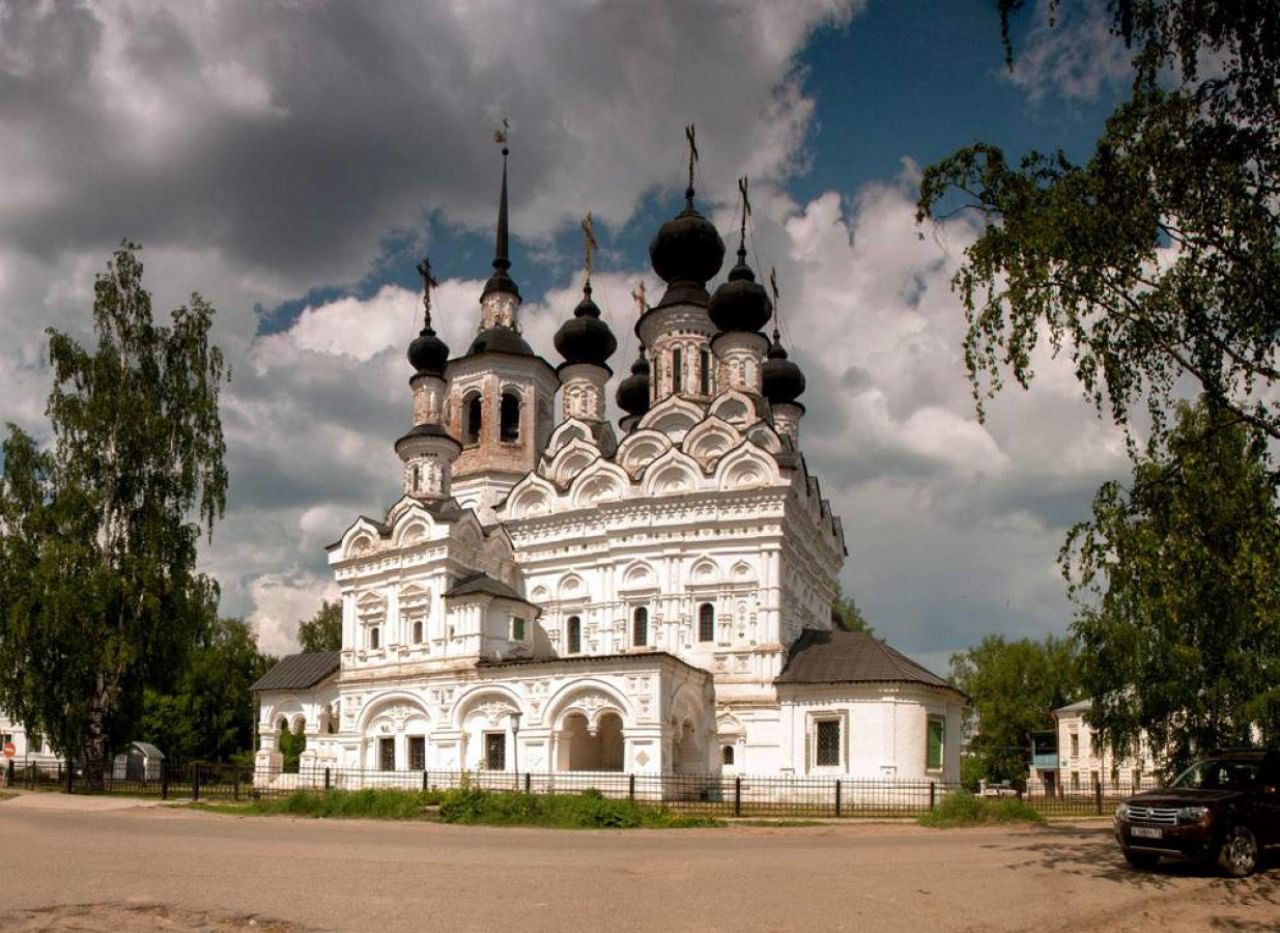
{"x": 588, "y": 810}
{"x": 961, "y": 808}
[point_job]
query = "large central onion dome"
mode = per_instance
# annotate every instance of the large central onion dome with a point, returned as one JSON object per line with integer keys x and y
{"x": 428, "y": 353}
{"x": 633, "y": 392}
{"x": 687, "y": 249}
{"x": 741, "y": 303}
{"x": 781, "y": 380}
{"x": 584, "y": 338}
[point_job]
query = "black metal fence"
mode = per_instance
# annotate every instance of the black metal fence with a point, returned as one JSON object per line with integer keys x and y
{"x": 722, "y": 795}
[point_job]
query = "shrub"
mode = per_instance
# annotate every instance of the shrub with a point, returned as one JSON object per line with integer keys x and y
{"x": 960, "y": 808}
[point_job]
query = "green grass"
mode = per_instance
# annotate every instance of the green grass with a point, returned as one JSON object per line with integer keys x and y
{"x": 964, "y": 809}
{"x": 6, "y": 794}
{"x": 588, "y": 810}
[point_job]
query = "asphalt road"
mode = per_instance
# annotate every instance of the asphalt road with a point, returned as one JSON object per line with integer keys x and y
{"x": 162, "y": 868}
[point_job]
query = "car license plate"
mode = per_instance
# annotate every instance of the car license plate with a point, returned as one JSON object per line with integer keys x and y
{"x": 1146, "y": 832}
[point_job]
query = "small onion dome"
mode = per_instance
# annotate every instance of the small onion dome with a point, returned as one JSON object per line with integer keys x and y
{"x": 687, "y": 248}
{"x": 781, "y": 379}
{"x": 741, "y": 303}
{"x": 584, "y": 338}
{"x": 633, "y": 392}
{"x": 428, "y": 353}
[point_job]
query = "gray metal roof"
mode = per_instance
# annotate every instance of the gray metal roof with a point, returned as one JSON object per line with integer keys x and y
{"x": 840, "y": 657}
{"x": 1078, "y": 707}
{"x": 483, "y": 583}
{"x": 298, "y": 671}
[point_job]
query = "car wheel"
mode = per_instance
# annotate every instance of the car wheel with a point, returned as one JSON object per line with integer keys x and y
{"x": 1238, "y": 855}
{"x": 1141, "y": 859}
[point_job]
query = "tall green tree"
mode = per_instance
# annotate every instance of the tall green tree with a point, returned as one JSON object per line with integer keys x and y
{"x": 846, "y": 613}
{"x": 209, "y": 714}
{"x": 1156, "y": 263}
{"x": 323, "y": 631}
{"x": 99, "y": 595}
{"x": 1177, "y": 584}
{"x": 1013, "y": 687}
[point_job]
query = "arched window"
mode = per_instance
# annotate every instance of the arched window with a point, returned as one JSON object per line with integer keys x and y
{"x": 413, "y": 478}
{"x": 375, "y": 637}
{"x": 472, "y": 418}
{"x": 417, "y": 632}
{"x": 509, "y": 418}
{"x": 575, "y": 635}
{"x": 706, "y": 622}
{"x": 677, "y": 371}
{"x": 726, "y": 755}
{"x": 706, "y": 372}
{"x": 640, "y": 627}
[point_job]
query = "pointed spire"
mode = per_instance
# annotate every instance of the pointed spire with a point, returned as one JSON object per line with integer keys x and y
{"x": 500, "y": 281}
{"x": 691, "y": 134}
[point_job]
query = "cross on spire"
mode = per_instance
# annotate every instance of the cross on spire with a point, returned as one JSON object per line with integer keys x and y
{"x": 589, "y": 235}
{"x": 690, "y": 133}
{"x": 746, "y": 212}
{"x": 428, "y": 283}
{"x": 773, "y": 287}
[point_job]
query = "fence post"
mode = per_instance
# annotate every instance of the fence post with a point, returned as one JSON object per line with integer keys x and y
{"x": 9, "y": 770}
{"x": 235, "y": 790}
{"x": 426, "y": 784}
{"x": 838, "y": 786}
{"x": 737, "y": 795}
{"x": 195, "y": 781}
{"x": 164, "y": 779}
{"x": 631, "y": 787}
{"x": 1097, "y": 796}
{"x": 528, "y": 783}
{"x": 933, "y": 794}
{"x": 71, "y": 776}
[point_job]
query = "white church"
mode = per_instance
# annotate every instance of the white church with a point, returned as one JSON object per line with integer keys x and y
{"x": 552, "y": 594}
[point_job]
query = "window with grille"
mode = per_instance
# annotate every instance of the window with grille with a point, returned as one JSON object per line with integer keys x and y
{"x": 827, "y": 743}
{"x": 706, "y": 622}
{"x": 387, "y": 754}
{"x": 936, "y": 742}
{"x": 495, "y": 751}
{"x": 417, "y": 753}
{"x": 640, "y": 627}
{"x": 575, "y": 635}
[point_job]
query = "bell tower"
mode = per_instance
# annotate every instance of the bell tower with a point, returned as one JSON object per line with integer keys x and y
{"x": 501, "y": 395}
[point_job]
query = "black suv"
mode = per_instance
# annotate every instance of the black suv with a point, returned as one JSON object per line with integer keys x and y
{"x": 1224, "y": 809}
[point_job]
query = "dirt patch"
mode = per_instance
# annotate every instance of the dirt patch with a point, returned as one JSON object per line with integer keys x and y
{"x": 123, "y": 918}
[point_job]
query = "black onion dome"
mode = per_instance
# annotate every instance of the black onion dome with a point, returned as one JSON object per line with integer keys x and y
{"x": 428, "y": 353}
{"x": 500, "y": 340}
{"x": 781, "y": 380}
{"x": 633, "y": 392}
{"x": 687, "y": 248}
{"x": 741, "y": 303}
{"x": 584, "y": 338}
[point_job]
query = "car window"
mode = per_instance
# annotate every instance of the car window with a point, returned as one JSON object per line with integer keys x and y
{"x": 1217, "y": 774}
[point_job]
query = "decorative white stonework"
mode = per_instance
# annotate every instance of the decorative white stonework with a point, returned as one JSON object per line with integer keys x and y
{"x": 551, "y": 593}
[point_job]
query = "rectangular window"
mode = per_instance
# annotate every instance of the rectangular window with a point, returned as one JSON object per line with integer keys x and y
{"x": 827, "y": 743}
{"x": 706, "y": 372}
{"x": 387, "y": 754}
{"x": 495, "y": 751}
{"x": 937, "y": 739}
{"x": 677, "y": 374}
{"x": 1075, "y": 745}
{"x": 417, "y": 753}
{"x": 517, "y": 629}
{"x": 35, "y": 743}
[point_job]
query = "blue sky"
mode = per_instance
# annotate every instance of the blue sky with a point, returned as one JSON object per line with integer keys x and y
{"x": 293, "y": 162}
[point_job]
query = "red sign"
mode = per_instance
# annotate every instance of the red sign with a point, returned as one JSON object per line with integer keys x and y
{"x": 10, "y": 750}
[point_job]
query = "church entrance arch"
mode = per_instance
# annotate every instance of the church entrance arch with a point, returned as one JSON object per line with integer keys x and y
{"x": 584, "y": 749}
{"x": 394, "y": 733}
